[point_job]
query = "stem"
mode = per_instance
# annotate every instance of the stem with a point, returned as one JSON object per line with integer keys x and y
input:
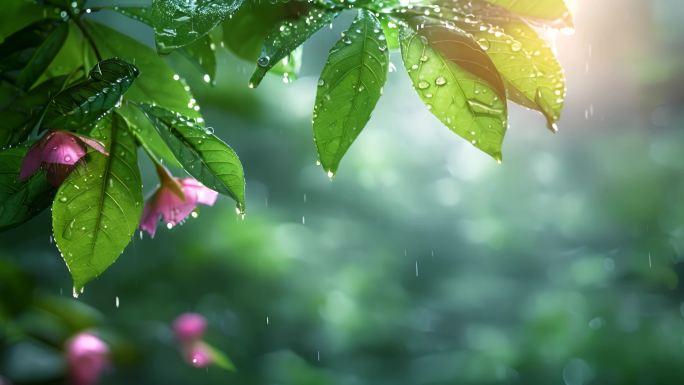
{"x": 89, "y": 38}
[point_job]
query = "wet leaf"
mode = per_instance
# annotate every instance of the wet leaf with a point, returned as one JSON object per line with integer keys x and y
{"x": 84, "y": 103}
{"x": 285, "y": 37}
{"x": 20, "y": 201}
{"x": 178, "y": 23}
{"x": 147, "y": 135}
{"x": 202, "y": 54}
{"x": 457, "y": 81}
{"x": 533, "y": 76}
{"x": 98, "y": 207}
{"x": 349, "y": 88}
{"x": 157, "y": 82}
{"x": 540, "y": 9}
{"x": 390, "y": 27}
{"x": 549, "y": 96}
{"x": 204, "y": 156}
{"x": 244, "y": 32}
{"x": 26, "y": 54}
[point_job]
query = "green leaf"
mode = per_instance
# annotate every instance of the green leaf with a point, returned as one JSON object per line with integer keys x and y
{"x": 219, "y": 358}
{"x": 20, "y": 201}
{"x": 28, "y": 52}
{"x": 178, "y": 23}
{"x": 202, "y": 54}
{"x": 19, "y": 14}
{"x": 457, "y": 81}
{"x": 42, "y": 57}
{"x": 533, "y": 76}
{"x": 84, "y": 103}
{"x": 98, "y": 207}
{"x": 27, "y": 110}
{"x": 245, "y": 31}
{"x": 147, "y": 135}
{"x": 285, "y": 37}
{"x": 390, "y": 27}
{"x": 544, "y": 87}
{"x": 539, "y": 9}
{"x": 157, "y": 82}
{"x": 141, "y": 14}
{"x": 75, "y": 57}
{"x": 204, "y": 156}
{"x": 349, "y": 88}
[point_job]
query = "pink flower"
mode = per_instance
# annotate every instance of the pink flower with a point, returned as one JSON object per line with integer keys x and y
{"x": 189, "y": 327}
{"x": 198, "y": 354}
{"x": 174, "y": 201}
{"x": 87, "y": 356}
{"x": 57, "y": 152}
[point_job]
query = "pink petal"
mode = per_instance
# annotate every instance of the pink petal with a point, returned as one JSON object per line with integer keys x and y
{"x": 150, "y": 217}
{"x": 198, "y": 355}
{"x": 61, "y": 148}
{"x": 189, "y": 327}
{"x": 87, "y": 356}
{"x": 196, "y": 192}
{"x": 31, "y": 162}
{"x": 96, "y": 145}
{"x": 172, "y": 207}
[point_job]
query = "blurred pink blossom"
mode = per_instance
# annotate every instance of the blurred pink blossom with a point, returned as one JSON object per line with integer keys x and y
{"x": 57, "y": 152}
{"x": 198, "y": 354}
{"x": 189, "y": 327}
{"x": 87, "y": 356}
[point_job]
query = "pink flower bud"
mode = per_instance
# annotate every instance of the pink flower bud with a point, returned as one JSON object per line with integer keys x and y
{"x": 57, "y": 152}
{"x": 87, "y": 356}
{"x": 189, "y": 327}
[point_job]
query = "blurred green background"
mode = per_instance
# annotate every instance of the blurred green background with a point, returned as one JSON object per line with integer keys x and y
{"x": 423, "y": 261}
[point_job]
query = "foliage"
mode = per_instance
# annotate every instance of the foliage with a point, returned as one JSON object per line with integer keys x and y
{"x": 466, "y": 60}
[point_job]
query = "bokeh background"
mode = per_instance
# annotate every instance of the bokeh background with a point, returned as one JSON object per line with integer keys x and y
{"x": 423, "y": 261}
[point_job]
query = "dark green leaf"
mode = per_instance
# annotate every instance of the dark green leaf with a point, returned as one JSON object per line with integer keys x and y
{"x": 20, "y": 201}
{"x": 285, "y": 37}
{"x": 42, "y": 57}
{"x": 178, "y": 23}
{"x": 27, "y": 53}
{"x": 98, "y": 207}
{"x": 157, "y": 82}
{"x": 19, "y": 14}
{"x": 457, "y": 81}
{"x": 349, "y": 88}
{"x": 202, "y": 154}
{"x": 27, "y": 110}
{"x": 84, "y": 103}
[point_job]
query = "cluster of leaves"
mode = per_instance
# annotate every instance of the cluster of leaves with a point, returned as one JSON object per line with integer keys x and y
{"x": 60, "y": 70}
